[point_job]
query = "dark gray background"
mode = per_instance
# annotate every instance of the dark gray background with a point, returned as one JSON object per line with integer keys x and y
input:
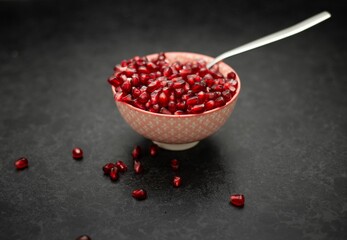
{"x": 284, "y": 147}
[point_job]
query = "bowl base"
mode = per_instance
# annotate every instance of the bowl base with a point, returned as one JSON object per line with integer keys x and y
{"x": 176, "y": 147}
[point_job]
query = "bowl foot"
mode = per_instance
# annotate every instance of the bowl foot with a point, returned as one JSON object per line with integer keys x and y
{"x": 176, "y": 147}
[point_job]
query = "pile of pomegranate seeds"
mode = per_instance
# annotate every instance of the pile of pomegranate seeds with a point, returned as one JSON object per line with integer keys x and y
{"x": 237, "y": 200}
{"x": 175, "y": 88}
{"x": 77, "y": 153}
{"x": 21, "y": 163}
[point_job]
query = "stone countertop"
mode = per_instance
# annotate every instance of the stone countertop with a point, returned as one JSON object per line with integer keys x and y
{"x": 284, "y": 147}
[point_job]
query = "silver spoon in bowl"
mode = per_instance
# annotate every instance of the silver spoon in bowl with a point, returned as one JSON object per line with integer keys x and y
{"x": 287, "y": 32}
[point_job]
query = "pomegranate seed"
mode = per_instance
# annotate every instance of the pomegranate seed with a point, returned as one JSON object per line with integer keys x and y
{"x": 154, "y": 108}
{"x": 172, "y": 106}
{"x": 107, "y": 168}
{"x": 77, "y": 153}
{"x": 231, "y": 75}
{"x": 153, "y": 86}
{"x": 114, "y": 81}
{"x": 164, "y": 111}
{"x": 177, "y": 181}
{"x": 142, "y": 69}
{"x": 179, "y": 112}
{"x": 127, "y": 99}
{"x": 136, "y": 92}
{"x": 237, "y": 200}
{"x": 197, "y": 108}
{"x": 179, "y": 83}
{"x": 153, "y": 150}
{"x": 226, "y": 95}
{"x": 209, "y": 105}
{"x": 197, "y": 87}
{"x": 136, "y": 153}
{"x": 137, "y": 166}
{"x": 167, "y": 71}
{"x": 217, "y": 87}
{"x": 185, "y": 72}
{"x": 121, "y": 166}
{"x": 192, "y": 101}
{"x": 135, "y": 80}
{"x": 130, "y": 71}
{"x": 219, "y": 102}
{"x": 143, "y": 98}
{"x": 83, "y": 237}
{"x": 151, "y": 66}
{"x": 126, "y": 86}
{"x": 114, "y": 173}
{"x": 21, "y": 163}
{"x": 175, "y": 164}
{"x": 139, "y": 194}
{"x": 201, "y": 97}
{"x": 163, "y": 99}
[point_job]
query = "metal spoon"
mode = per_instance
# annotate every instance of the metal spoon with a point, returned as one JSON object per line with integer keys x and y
{"x": 287, "y": 32}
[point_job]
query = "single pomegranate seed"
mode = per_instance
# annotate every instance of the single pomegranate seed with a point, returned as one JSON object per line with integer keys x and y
{"x": 167, "y": 71}
{"x": 192, "y": 101}
{"x": 172, "y": 106}
{"x": 197, "y": 108}
{"x": 201, "y": 97}
{"x": 155, "y": 108}
{"x": 179, "y": 83}
{"x": 197, "y": 87}
{"x": 83, "y": 237}
{"x": 237, "y": 200}
{"x": 127, "y": 99}
{"x": 107, "y": 168}
{"x": 175, "y": 164}
{"x": 179, "y": 112}
{"x": 163, "y": 99}
{"x": 217, "y": 87}
{"x": 135, "y": 92}
{"x": 142, "y": 69}
{"x": 126, "y": 86}
{"x": 143, "y": 98}
{"x": 231, "y": 75}
{"x": 135, "y": 80}
{"x": 114, "y": 81}
{"x": 209, "y": 105}
{"x": 21, "y": 163}
{"x": 177, "y": 181}
{"x": 164, "y": 111}
{"x": 130, "y": 71}
{"x": 219, "y": 102}
{"x": 137, "y": 166}
{"x": 153, "y": 86}
{"x": 153, "y": 150}
{"x": 77, "y": 153}
{"x": 121, "y": 166}
{"x": 226, "y": 95}
{"x": 136, "y": 153}
{"x": 151, "y": 66}
{"x": 139, "y": 194}
{"x": 114, "y": 173}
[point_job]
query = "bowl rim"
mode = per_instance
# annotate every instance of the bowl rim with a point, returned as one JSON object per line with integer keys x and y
{"x": 231, "y": 101}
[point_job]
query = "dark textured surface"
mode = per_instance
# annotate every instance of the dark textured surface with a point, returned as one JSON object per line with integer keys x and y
{"x": 284, "y": 147}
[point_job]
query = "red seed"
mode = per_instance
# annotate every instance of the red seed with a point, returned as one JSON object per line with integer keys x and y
{"x": 77, "y": 153}
{"x": 153, "y": 150}
{"x": 178, "y": 83}
{"x": 231, "y": 75}
{"x": 130, "y": 71}
{"x": 167, "y": 71}
{"x": 226, "y": 95}
{"x": 136, "y": 153}
{"x": 201, "y": 97}
{"x": 175, "y": 164}
{"x": 139, "y": 194}
{"x": 137, "y": 166}
{"x": 219, "y": 102}
{"x": 192, "y": 101}
{"x": 121, "y": 166}
{"x": 83, "y": 237}
{"x": 107, "y": 168}
{"x": 126, "y": 86}
{"x": 142, "y": 69}
{"x": 153, "y": 86}
{"x": 135, "y": 92}
{"x": 197, "y": 87}
{"x": 21, "y": 163}
{"x": 237, "y": 200}
{"x": 163, "y": 99}
{"x": 143, "y": 98}
{"x": 177, "y": 181}
{"x": 197, "y": 108}
{"x": 209, "y": 105}
{"x": 114, "y": 173}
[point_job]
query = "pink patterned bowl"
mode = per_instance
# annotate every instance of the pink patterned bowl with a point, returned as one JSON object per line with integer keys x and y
{"x": 179, "y": 132}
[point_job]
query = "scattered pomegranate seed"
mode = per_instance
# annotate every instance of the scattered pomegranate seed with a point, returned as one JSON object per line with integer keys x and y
{"x": 153, "y": 150}
{"x": 114, "y": 173}
{"x": 175, "y": 164}
{"x": 237, "y": 200}
{"x": 139, "y": 194}
{"x": 162, "y": 87}
{"x": 137, "y": 166}
{"x": 107, "y": 168}
{"x": 177, "y": 181}
{"x": 77, "y": 153}
{"x": 136, "y": 153}
{"x": 121, "y": 166}
{"x": 83, "y": 237}
{"x": 21, "y": 163}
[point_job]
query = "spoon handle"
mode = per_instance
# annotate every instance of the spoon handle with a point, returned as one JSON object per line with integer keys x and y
{"x": 299, "y": 27}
